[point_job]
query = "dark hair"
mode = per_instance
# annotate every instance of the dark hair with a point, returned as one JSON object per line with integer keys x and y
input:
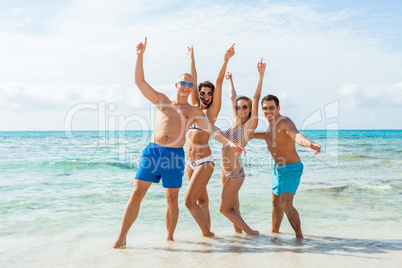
{"x": 206, "y": 84}
{"x": 209, "y": 85}
{"x": 270, "y": 97}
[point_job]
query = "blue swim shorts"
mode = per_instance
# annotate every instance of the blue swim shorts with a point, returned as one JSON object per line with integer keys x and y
{"x": 286, "y": 178}
{"x": 162, "y": 162}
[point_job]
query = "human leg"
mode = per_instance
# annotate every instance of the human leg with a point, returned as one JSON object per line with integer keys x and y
{"x": 286, "y": 202}
{"x": 277, "y": 214}
{"x": 287, "y": 181}
{"x": 196, "y": 188}
{"x": 203, "y": 199}
{"x": 203, "y": 202}
{"x": 229, "y": 194}
{"x": 172, "y": 211}
{"x": 236, "y": 204}
{"x": 132, "y": 209}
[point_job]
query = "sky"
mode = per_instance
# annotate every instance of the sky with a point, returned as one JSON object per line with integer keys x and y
{"x": 70, "y": 64}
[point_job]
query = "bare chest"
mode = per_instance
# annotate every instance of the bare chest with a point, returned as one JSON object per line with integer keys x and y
{"x": 274, "y": 137}
{"x": 174, "y": 114}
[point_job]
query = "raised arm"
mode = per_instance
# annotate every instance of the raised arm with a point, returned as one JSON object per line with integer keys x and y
{"x": 299, "y": 138}
{"x": 194, "y": 91}
{"x": 253, "y": 122}
{"x": 215, "y": 106}
{"x": 151, "y": 94}
{"x": 232, "y": 93}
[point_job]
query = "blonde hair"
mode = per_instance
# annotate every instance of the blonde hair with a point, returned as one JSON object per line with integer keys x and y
{"x": 185, "y": 74}
{"x": 236, "y": 115}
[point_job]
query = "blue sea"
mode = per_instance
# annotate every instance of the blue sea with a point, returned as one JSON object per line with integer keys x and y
{"x": 63, "y": 196}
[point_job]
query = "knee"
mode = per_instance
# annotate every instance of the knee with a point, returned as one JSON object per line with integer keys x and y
{"x": 189, "y": 202}
{"x": 172, "y": 199}
{"x": 221, "y": 210}
{"x": 286, "y": 206}
{"x": 224, "y": 210}
{"x": 276, "y": 204}
{"x": 202, "y": 201}
{"x": 136, "y": 196}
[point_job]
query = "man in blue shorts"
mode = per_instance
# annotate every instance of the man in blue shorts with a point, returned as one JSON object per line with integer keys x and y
{"x": 281, "y": 138}
{"x": 163, "y": 158}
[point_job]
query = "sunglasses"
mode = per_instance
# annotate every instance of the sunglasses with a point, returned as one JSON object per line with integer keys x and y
{"x": 210, "y": 93}
{"x": 245, "y": 107}
{"x": 188, "y": 84}
{"x": 265, "y": 108}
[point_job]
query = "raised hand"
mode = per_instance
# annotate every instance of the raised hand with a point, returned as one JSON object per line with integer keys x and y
{"x": 141, "y": 47}
{"x": 261, "y": 67}
{"x": 228, "y": 76}
{"x": 190, "y": 52}
{"x": 230, "y": 52}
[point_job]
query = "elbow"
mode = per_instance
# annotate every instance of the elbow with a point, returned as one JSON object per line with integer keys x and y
{"x": 136, "y": 80}
{"x": 256, "y": 97}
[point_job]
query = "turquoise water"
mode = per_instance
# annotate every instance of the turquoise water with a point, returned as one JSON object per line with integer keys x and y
{"x": 54, "y": 184}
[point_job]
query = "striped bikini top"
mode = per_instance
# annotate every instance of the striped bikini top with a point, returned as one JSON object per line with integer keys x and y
{"x": 235, "y": 135}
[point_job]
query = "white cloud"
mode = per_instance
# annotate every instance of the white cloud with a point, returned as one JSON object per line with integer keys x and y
{"x": 86, "y": 52}
{"x": 46, "y": 97}
{"x": 349, "y": 89}
{"x": 372, "y": 95}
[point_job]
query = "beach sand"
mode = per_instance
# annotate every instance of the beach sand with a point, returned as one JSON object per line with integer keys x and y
{"x": 189, "y": 250}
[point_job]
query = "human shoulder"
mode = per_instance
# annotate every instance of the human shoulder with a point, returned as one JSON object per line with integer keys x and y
{"x": 163, "y": 100}
{"x": 288, "y": 126}
{"x": 285, "y": 123}
{"x": 282, "y": 120}
{"x": 191, "y": 111}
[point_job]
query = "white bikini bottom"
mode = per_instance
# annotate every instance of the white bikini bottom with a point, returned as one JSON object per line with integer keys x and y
{"x": 194, "y": 165}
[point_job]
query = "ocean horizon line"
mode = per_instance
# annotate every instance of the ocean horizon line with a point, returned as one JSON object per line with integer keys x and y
{"x": 92, "y": 130}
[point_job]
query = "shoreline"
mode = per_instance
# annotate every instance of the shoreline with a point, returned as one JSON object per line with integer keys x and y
{"x": 191, "y": 249}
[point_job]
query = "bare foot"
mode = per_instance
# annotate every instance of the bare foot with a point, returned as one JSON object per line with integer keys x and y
{"x": 254, "y": 233}
{"x": 209, "y": 234}
{"x": 170, "y": 239}
{"x": 120, "y": 243}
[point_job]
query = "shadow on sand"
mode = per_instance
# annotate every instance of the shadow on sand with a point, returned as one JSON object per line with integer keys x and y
{"x": 285, "y": 243}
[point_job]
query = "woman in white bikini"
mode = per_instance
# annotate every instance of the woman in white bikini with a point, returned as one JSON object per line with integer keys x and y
{"x": 245, "y": 113}
{"x": 199, "y": 159}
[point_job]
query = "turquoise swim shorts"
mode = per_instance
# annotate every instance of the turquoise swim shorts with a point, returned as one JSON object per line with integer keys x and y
{"x": 286, "y": 178}
{"x": 162, "y": 162}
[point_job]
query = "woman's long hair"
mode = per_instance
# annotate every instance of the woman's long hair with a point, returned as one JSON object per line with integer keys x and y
{"x": 236, "y": 116}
